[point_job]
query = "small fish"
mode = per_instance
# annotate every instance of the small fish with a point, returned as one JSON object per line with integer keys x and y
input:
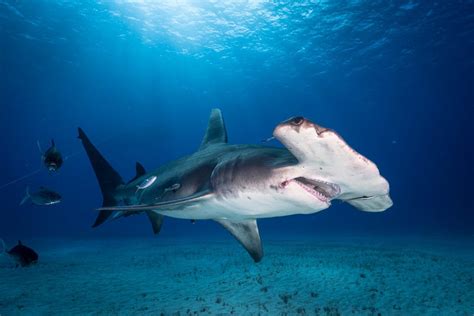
{"x": 269, "y": 139}
{"x": 52, "y": 158}
{"x": 146, "y": 183}
{"x": 24, "y": 256}
{"x": 173, "y": 188}
{"x": 43, "y": 196}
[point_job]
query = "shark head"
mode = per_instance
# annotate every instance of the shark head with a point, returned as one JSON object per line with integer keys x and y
{"x": 329, "y": 168}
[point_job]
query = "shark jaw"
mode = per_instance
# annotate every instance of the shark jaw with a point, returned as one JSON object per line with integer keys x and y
{"x": 321, "y": 190}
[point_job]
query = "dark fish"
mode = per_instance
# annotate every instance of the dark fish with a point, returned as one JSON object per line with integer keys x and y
{"x": 52, "y": 158}
{"x": 43, "y": 196}
{"x": 23, "y": 255}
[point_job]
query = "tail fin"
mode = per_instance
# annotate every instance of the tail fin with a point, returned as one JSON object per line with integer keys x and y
{"x": 26, "y": 197}
{"x": 107, "y": 177}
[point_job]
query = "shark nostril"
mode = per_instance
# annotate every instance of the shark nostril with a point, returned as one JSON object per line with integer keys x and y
{"x": 297, "y": 121}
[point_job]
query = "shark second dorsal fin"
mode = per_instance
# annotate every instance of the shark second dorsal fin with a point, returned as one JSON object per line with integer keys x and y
{"x": 246, "y": 232}
{"x": 216, "y": 132}
{"x": 139, "y": 171}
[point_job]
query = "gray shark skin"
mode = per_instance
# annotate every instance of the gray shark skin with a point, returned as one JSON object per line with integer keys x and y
{"x": 235, "y": 185}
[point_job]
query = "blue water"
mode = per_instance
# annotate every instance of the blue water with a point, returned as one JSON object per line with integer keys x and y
{"x": 394, "y": 78}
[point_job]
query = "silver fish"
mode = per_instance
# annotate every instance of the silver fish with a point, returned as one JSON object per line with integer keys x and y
{"x": 146, "y": 183}
{"x": 41, "y": 197}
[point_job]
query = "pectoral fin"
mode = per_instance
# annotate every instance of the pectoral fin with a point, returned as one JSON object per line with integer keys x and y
{"x": 246, "y": 232}
{"x": 156, "y": 221}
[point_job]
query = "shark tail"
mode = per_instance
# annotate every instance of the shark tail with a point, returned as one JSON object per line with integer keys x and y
{"x": 26, "y": 197}
{"x": 109, "y": 180}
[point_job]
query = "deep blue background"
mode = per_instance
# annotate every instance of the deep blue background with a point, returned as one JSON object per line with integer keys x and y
{"x": 395, "y": 79}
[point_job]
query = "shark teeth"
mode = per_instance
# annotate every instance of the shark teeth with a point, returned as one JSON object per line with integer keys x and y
{"x": 323, "y": 191}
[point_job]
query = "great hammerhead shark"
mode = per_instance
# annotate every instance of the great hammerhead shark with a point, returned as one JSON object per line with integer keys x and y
{"x": 235, "y": 185}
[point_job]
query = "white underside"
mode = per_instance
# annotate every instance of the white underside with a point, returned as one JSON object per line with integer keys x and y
{"x": 252, "y": 206}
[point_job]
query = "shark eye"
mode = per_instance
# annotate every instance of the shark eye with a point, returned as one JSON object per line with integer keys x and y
{"x": 297, "y": 121}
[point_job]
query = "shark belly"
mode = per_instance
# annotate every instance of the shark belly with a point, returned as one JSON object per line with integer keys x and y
{"x": 245, "y": 206}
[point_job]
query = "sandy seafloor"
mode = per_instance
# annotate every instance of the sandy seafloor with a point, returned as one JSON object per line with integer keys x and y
{"x": 182, "y": 277}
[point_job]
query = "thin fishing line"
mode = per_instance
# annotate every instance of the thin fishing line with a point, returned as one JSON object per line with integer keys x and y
{"x": 21, "y": 178}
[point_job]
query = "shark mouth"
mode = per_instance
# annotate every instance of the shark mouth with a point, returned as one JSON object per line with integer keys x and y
{"x": 323, "y": 191}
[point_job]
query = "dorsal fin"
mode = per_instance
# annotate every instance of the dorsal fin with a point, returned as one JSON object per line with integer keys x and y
{"x": 19, "y": 243}
{"x": 52, "y": 143}
{"x": 216, "y": 132}
{"x": 140, "y": 170}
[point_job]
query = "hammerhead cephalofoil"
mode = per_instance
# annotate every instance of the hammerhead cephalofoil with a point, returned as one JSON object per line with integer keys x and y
{"x": 235, "y": 185}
